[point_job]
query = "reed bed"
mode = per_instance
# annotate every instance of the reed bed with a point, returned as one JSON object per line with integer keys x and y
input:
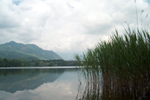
{"x": 124, "y": 62}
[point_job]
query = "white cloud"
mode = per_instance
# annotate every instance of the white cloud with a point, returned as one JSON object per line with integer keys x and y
{"x": 68, "y": 25}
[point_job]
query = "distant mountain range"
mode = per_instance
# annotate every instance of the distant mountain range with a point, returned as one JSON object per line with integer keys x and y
{"x": 13, "y": 50}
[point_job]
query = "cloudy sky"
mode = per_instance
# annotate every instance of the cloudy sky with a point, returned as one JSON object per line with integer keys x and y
{"x": 68, "y": 26}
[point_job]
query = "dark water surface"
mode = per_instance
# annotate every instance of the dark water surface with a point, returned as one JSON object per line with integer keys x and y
{"x": 39, "y": 83}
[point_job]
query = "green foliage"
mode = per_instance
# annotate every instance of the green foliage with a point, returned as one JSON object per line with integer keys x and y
{"x": 11, "y": 63}
{"x": 124, "y": 62}
{"x": 21, "y": 63}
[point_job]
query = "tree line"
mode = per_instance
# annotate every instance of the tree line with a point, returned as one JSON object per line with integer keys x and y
{"x": 23, "y": 63}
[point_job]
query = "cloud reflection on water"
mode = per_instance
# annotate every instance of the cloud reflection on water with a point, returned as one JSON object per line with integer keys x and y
{"x": 63, "y": 88}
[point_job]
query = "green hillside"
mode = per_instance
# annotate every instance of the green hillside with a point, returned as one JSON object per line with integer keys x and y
{"x": 13, "y": 50}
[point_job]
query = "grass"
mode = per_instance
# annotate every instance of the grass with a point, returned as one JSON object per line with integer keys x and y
{"x": 124, "y": 62}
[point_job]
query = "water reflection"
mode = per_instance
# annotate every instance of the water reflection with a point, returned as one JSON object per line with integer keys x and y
{"x": 41, "y": 84}
{"x": 91, "y": 85}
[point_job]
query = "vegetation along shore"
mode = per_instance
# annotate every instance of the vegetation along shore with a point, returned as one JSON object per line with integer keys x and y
{"x": 30, "y": 63}
{"x": 122, "y": 64}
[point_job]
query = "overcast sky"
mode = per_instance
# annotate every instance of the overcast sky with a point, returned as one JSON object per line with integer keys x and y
{"x": 68, "y": 26}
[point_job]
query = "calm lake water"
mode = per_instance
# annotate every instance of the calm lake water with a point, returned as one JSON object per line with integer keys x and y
{"x": 39, "y": 83}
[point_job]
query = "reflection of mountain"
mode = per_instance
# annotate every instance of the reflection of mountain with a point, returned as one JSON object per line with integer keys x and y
{"x": 14, "y": 80}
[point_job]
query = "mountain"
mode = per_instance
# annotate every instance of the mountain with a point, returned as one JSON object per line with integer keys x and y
{"x": 13, "y": 50}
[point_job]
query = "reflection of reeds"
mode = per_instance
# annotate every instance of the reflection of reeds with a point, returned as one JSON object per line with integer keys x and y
{"x": 90, "y": 88}
{"x": 125, "y": 65}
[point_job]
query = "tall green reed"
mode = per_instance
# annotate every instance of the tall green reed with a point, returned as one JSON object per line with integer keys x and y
{"x": 124, "y": 62}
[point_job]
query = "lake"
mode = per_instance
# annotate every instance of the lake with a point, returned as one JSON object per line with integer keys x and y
{"x": 39, "y": 83}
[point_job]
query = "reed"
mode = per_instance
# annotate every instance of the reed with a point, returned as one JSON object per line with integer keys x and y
{"x": 124, "y": 62}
